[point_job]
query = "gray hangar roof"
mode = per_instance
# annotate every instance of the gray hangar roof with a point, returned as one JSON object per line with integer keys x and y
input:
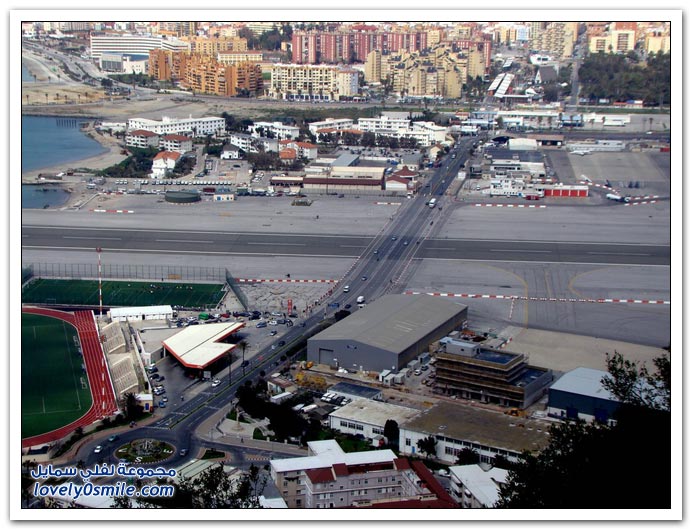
{"x": 394, "y": 322}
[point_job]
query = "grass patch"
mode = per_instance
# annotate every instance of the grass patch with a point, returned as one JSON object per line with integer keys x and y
{"x": 55, "y": 387}
{"x": 122, "y": 293}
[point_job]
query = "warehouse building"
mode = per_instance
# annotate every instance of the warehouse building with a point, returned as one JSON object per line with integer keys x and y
{"x": 580, "y": 394}
{"x": 387, "y": 333}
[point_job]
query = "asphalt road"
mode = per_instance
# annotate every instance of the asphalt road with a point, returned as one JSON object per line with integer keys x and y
{"x": 408, "y": 234}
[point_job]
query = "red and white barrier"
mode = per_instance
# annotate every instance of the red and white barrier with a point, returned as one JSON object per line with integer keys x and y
{"x": 544, "y": 299}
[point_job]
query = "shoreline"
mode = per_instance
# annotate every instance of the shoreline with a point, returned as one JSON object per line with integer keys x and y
{"x": 109, "y": 156}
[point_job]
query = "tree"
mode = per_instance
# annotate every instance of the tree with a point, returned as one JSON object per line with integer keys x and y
{"x": 598, "y": 466}
{"x": 391, "y": 432}
{"x": 427, "y": 445}
{"x": 132, "y": 406}
{"x": 243, "y": 344}
{"x": 634, "y": 385}
{"x": 467, "y": 456}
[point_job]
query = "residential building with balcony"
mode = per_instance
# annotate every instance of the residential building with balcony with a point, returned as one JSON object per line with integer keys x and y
{"x": 141, "y": 139}
{"x": 330, "y": 478}
{"x": 176, "y": 142}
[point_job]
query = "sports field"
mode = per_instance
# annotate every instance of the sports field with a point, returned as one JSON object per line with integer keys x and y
{"x": 121, "y": 293}
{"x": 55, "y": 388}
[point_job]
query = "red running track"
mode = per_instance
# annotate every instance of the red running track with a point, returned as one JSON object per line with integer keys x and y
{"x": 102, "y": 393}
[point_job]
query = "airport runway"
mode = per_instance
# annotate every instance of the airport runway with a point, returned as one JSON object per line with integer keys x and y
{"x": 232, "y": 243}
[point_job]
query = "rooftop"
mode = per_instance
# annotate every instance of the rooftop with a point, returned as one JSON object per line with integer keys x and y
{"x": 483, "y": 485}
{"x": 393, "y": 322}
{"x": 585, "y": 382}
{"x": 355, "y": 390}
{"x": 375, "y": 412}
{"x": 199, "y": 346}
{"x": 485, "y": 427}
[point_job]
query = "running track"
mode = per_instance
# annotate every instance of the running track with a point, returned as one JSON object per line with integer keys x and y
{"x": 102, "y": 393}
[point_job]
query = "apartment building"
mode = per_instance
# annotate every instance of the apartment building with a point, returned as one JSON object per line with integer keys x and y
{"x": 176, "y": 142}
{"x": 195, "y": 127}
{"x": 277, "y": 129}
{"x": 476, "y": 486}
{"x": 349, "y": 45}
{"x": 235, "y": 58}
{"x": 312, "y": 82}
{"x": 554, "y": 38}
{"x": 132, "y": 44}
{"x": 141, "y": 139}
{"x": 204, "y": 74}
{"x": 330, "y": 478}
{"x": 614, "y": 41}
{"x": 216, "y": 45}
{"x": 337, "y": 124}
{"x": 657, "y": 41}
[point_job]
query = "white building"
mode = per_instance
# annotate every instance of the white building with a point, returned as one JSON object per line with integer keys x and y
{"x": 383, "y": 124}
{"x": 195, "y": 127}
{"x": 368, "y": 417}
{"x": 132, "y": 44}
{"x": 156, "y": 312}
{"x": 338, "y": 124}
{"x": 278, "y": 129}
{"x": 164, "y": 162}
{"x": 456, "y": 427}
{"x": 475, "y": 487}
{"x": 141, "y": 139}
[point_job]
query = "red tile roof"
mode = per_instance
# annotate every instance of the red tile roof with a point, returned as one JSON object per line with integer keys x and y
{"x": 320, "y": 475}
{"x": 405, "y": 172}
{"x": 177, "y": 137}
{"x": 141, "y": 132}
{"x": 305, "y": 145}
{"x": 287, "y": 154}
{"x": 167, "y": 154}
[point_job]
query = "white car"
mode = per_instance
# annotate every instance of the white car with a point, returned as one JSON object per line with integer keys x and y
{"x": 215, "y": 383}
{"x": 98, "y": 449}
{"x": 273, "y": 323}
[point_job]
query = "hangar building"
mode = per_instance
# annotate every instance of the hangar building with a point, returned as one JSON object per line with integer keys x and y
{"x": 387, "y": 333}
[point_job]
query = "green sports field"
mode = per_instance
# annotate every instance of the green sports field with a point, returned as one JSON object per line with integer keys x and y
{"x": 55, "y": 388}
{"x": 121, "y": 293}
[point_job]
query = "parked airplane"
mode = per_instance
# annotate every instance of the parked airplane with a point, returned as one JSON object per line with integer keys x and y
{"x": 616, "y": 197}
{"x": 581, "y": 152}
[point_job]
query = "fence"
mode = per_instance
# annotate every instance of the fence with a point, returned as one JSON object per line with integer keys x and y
{"x": 233, "y": 284}
{"x": 83, "y": 271}
{"x": 27, "y": 274}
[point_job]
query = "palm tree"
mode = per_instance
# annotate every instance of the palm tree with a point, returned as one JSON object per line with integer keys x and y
{"x": 243, "y": 345}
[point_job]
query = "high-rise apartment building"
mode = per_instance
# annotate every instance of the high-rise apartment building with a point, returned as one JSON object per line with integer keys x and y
{"x": 322, "y": 82}
{"x": 348, "y": 46}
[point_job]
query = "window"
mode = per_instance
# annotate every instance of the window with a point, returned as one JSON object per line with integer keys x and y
{"x": 377, "y": 430}
{"x": 408, "y": 441}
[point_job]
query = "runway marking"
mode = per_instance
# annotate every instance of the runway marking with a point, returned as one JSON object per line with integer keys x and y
{"x": 99, "y": 238}
{"x": 277, "y": 244}
{"x": 618, "y": 254}
{"x": 521, "y": 250}
{"x": 546, "y": 299}
{"x": 182, "y": 241}
{"x": 442, "y": 248}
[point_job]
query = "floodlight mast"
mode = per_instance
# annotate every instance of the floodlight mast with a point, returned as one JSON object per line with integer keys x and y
{"x": 98, "y": 250}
